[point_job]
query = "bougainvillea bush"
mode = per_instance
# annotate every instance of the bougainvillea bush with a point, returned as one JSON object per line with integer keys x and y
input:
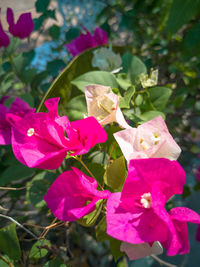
{"x": 94, "y": 169}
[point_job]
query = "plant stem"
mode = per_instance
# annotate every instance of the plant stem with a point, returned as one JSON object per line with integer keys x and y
{"x": 162, "y": 262}
{"x": 19, "y": 224}
{"x": 12, "y": 188}
{"x": 83, "y": 164}
{"x": 6, "y": 261}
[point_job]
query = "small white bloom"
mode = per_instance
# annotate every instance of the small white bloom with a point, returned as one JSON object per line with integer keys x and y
{"x": 149, "y": 80}
{"x": 105, "y": 59}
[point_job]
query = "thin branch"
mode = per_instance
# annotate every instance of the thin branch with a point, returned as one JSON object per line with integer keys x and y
{"x": 162, "y": 262}
{"x": 6, "y": 261}
{"x": 12, "y": 188}
{"x": 19, "y": 224}
{"x": 112, "y": 148}
{"x": 45, "y": 232}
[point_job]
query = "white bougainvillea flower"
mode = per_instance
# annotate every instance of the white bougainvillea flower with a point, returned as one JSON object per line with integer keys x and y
{"x": 137, "y": 251}
{"x": 105, "y": 59}
{"x": 103, "y": 104}
{"x": 149, "y": 80}
{"x": 150, "y": 140}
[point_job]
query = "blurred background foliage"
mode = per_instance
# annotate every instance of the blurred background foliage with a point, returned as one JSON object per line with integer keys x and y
{"x": 158, "y": 34}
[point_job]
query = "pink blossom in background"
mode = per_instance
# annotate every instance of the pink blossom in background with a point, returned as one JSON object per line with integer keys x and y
{"x": 86, "y": 41}
{"x": 23, "y": 27}
{"x": 137, "y": 251}
{"x": 103, "y": 104}
{"x": 149, "y": 140}
{"x": 17, "y": 110}
{"x": 68, "y": 195}
{"x": 137, "y": 215}
{"x": 4, "y": 38}
{"x": 39, "y": 141}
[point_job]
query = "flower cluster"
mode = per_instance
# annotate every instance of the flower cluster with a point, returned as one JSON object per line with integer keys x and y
{"x": 21, "y": 29}
{"x": 137, "y": 215}
{"x": 86, "y": 40}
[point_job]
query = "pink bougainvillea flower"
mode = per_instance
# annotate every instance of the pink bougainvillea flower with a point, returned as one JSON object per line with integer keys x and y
{"x": 150, "y": 140}
{"x": 137, "y": 251}
{"x": 103, "y": 104}
{"x": 4, "y": 38}
{"x": 71, "y": 191}
{"x": 18, "y": 109}
{"x": 86, "y": 41}
{"x": 38, "y": 140}
{"x": 23, "y": 27}
{"x": 137, "y": 214}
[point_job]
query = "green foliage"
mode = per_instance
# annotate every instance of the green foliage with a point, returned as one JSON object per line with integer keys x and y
{"x": 37, "y": 188}
{"x": 72, "y": 33}
{"x": 91, "y": 218}
{"x": 62, "y": 86}
{"x": 54, "y": 263}
{"x": 20, "y": 172}
{"x": 124, "y": 101}
{"x": 115, "y": 244}
{"x": 54, "y": 32}
{"x": 180, "y": 13}
{"x": 76, "y": 108}
{"x": 123, "y": 80}
{"x": 159, "y": 96}
{"x": 115, "y": 174}
{"x": 39, "y": 249}
{"x": 41, "y": 5}
{"x": 95, "y": 77}
{"x": 9, "y": 243}
{"x": 149, "y": 115}
{"x": 133, "y": 66}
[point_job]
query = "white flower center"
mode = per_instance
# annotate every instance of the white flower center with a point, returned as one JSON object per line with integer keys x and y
{"x": 30, "y": 132}
{"x": 146, "y": 200}
{"x": 143, "y": 144}
{"x": 156, "y": 138}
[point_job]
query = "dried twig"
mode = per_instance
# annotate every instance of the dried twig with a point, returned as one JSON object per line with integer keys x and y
{"x": 19, "y": 224}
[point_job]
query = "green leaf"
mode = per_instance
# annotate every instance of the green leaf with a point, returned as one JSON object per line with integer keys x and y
{"x": 149, "y": 115}
{"x": 41, "y": 5}
{"x": 54, "y": 263}
{"x": 96, "y": 169}
{"x": 192, "y": 40}
{"x": 136, "y": 68}
{"x": 115, "y": 173}
{"x": 115, "y": 248}
{"x": 9, "y": 243}
{"x": 101, "y": 235}
{"x": 159, "y": 96}
{"x": 95, "y": 77}
{"x": 90, "y": 219}
{"x": 72, "y": 33}
{"x": 76, "y": 108}
{"x": 15, "y": 172}
{"x": 180, "y": 13}
{"x": 54, "y": 67}
{"x": 38, "y": 250}
{"x": 27, "y": 97}
{"x": 123, "y": 80}
{"x": 38, "y": 187}
{"x": 14, "y": 43}
{"x": 54, "y": 32}
{"x": 62, "y": 86}
{"x": 3, "y": 264}
{"x": 139, "y": 100}
{"x": 124, "y": 102}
